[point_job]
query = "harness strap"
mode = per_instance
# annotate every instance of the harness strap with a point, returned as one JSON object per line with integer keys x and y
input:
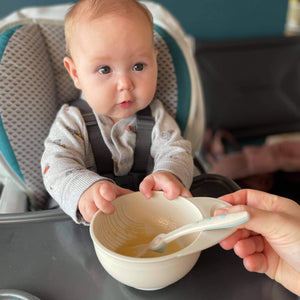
{"x": 102, "y": 155}
{"x": 143, "y": 161}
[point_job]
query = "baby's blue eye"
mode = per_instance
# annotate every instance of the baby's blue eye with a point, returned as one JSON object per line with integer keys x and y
{"x": 138, "y": 67}
{"x": 104, "y": 70}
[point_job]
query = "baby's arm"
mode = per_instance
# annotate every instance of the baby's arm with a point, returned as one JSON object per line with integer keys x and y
{"x": 173, "y": 161}
{"x": 99, "y": 197}
{"x": 68, "y": 164}
{"x": 164, "y": 181}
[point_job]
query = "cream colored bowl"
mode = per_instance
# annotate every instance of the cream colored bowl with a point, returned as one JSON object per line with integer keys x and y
{"x": 135, "y": 213}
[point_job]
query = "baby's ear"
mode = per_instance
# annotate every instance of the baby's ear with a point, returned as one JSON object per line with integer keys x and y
{"x": 71, "y": 68}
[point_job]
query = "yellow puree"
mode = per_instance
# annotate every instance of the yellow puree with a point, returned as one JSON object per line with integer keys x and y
{"x": 129, "y": 248}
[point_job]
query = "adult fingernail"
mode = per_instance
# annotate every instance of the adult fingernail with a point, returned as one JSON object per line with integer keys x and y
{"x": 220, "y": 211}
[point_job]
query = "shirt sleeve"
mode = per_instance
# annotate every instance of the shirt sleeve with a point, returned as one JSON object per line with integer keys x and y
{"x": 68, "y": 165}
{"x": 170, "y": 151}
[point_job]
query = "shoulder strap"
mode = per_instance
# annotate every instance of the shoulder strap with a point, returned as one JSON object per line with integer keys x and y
{"x": 143, "y": 162}
{"x": 101, "y": 152}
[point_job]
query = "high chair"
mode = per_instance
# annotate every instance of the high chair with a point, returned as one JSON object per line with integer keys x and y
{"x": 34, "y": 84}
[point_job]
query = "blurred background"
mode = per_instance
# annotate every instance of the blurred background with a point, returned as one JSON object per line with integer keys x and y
{"x": 210, "y": 19}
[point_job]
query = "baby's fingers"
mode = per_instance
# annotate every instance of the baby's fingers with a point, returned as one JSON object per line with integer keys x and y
{"x": 121, "y": 191}
{"x": 104, "y": 205}
{"x": 147, "y": 186}
{"x": 104, "y": 196}
{"x": 88, "y": 209}
{"x": 107, "y": 191}
{"x": 186, "y": 193}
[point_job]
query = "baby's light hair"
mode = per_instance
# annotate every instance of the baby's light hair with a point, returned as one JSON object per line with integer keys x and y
{"x": 92, "y": 9}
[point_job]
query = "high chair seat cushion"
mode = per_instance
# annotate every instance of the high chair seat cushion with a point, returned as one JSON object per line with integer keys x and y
{"x": 33, "y": 85}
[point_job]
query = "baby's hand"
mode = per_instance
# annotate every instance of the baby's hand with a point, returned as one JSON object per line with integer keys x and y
{"x": 99, "y": 196}
{"x": 164, "y": 181}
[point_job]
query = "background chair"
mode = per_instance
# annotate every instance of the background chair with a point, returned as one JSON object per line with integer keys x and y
{"x": 252, "y": 96}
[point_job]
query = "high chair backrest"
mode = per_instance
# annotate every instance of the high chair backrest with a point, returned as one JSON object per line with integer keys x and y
{"x": 34, "y": 84}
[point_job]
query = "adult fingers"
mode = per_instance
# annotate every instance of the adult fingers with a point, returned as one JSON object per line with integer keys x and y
{"x": 277, "y": 228}
{"x": 264, "y": 201}
{"x": 280, "y": 230}
{"x": 256, "y": 262}
{"x": 230, "y": 241}
{"x": 261, "y": 221}
{"x": 249, "y": 246}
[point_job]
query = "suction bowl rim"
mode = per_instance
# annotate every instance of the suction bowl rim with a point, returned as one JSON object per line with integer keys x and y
{"x": 144, "y": 260}
{"x": 140, "y": 259}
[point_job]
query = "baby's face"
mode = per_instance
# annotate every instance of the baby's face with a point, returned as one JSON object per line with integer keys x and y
{"x": 115, "y": 64}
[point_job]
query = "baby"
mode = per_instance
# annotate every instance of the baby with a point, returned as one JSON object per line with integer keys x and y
{"x": 112, "y": 59}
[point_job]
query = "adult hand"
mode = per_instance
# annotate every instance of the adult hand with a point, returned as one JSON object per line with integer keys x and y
{"x": 270, "y": 241}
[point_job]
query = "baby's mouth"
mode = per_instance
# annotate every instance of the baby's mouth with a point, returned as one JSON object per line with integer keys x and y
{"x": 125, "y": 104}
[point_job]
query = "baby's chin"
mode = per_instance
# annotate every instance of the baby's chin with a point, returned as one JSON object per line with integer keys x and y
{"x": 115, "y": 119}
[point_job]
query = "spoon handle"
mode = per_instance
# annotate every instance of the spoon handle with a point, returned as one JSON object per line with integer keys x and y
{"x": 212, "y": 223}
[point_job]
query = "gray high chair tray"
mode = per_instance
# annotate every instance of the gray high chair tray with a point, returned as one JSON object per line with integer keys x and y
{"x": 47, "y": 255}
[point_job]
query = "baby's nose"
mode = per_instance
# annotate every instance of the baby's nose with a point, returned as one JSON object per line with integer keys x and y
{"x": 125, "y": 83}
